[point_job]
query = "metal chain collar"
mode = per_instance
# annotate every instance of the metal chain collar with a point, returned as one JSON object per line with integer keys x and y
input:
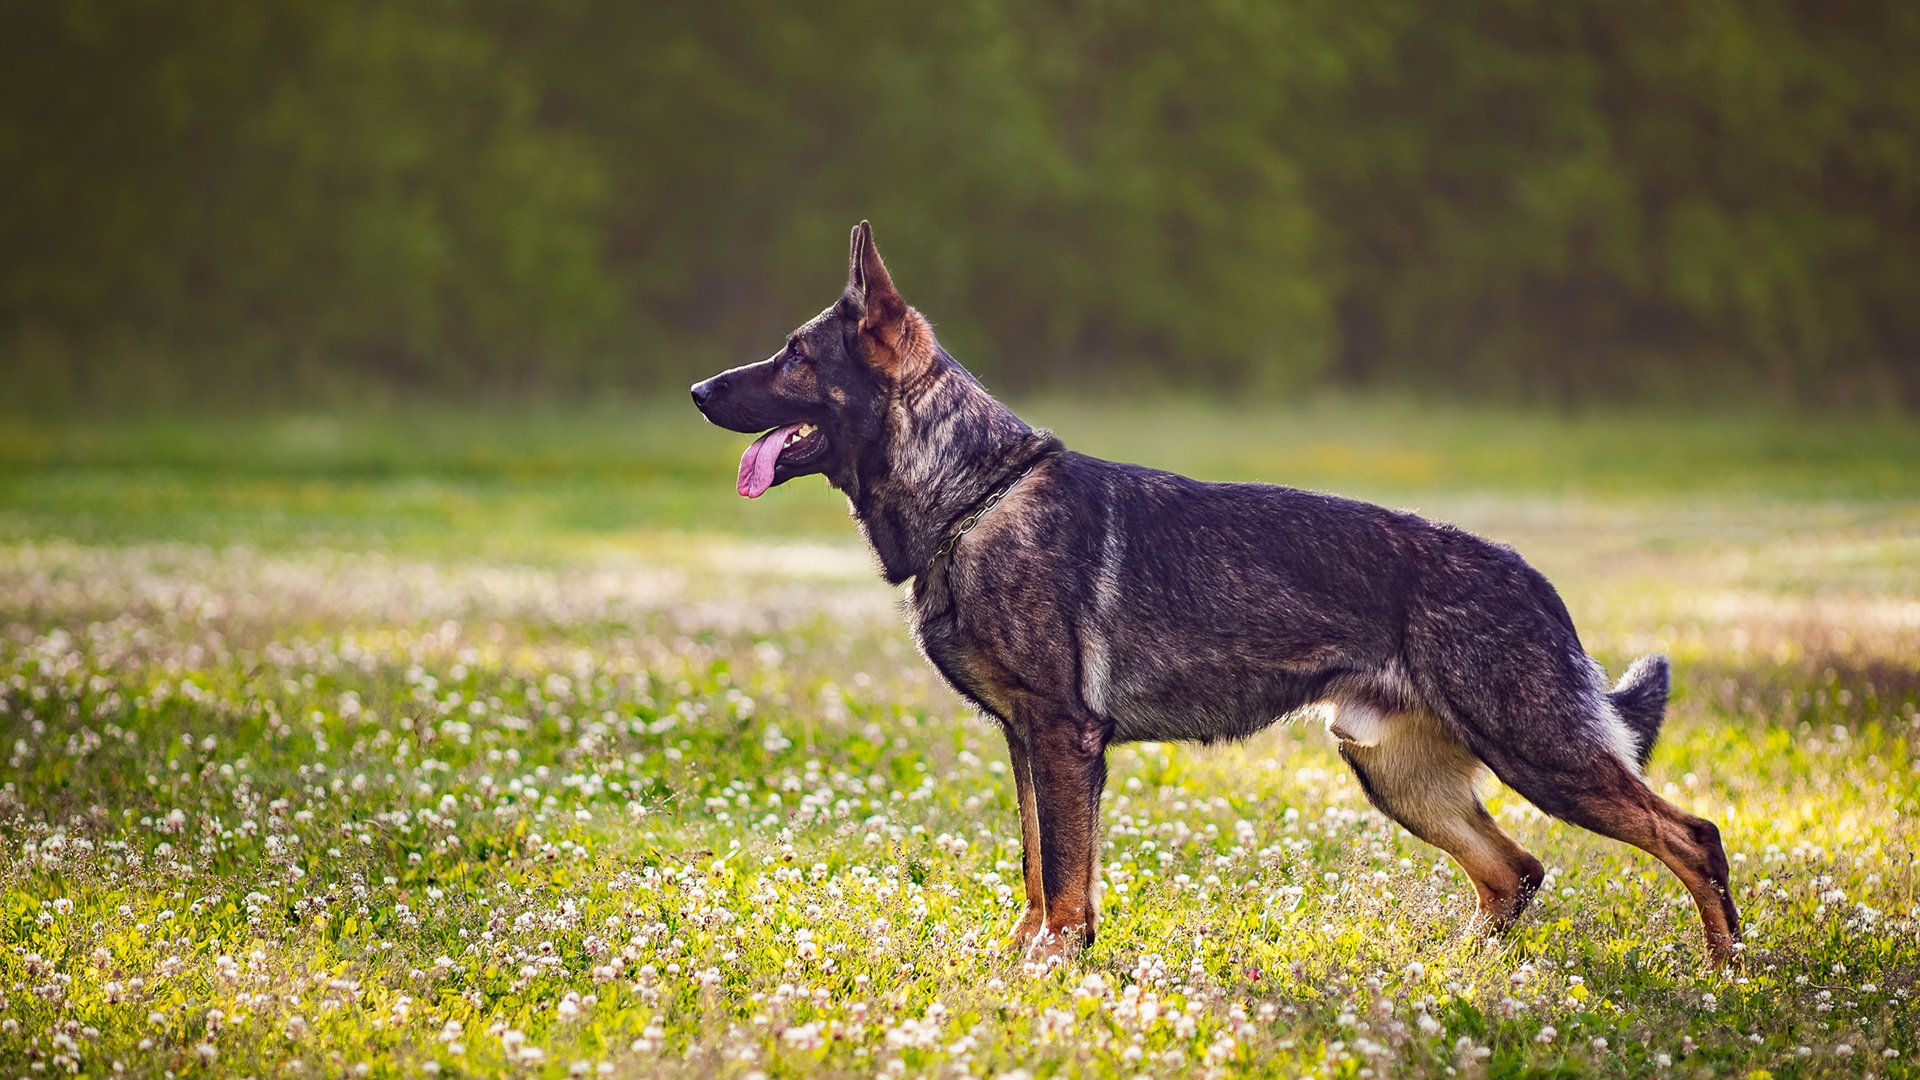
{"x": 967, "y": 523}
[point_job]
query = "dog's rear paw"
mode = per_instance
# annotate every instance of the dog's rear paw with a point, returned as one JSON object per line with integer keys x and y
{"x": 1725, "y": 952}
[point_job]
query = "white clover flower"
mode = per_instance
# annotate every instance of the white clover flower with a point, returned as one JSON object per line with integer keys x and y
{"x": 805, "y": 1037}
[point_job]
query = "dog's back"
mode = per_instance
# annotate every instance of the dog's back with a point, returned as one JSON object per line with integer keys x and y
{"x": 1206, "y": 611}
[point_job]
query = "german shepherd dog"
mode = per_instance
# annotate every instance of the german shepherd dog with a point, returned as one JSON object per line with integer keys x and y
{"x": 1082, "y": 602}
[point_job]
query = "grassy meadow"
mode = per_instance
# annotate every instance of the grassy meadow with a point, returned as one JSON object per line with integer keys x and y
{"x": 520, "y": 745}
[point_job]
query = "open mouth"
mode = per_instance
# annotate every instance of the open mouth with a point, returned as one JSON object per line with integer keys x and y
{"x": 792, "y": 445}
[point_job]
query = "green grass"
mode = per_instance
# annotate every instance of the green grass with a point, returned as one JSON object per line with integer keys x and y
{"x": 410, "y": 741}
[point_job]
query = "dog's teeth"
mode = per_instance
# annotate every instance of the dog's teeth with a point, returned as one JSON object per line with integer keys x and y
{"x": 804, "y": 431}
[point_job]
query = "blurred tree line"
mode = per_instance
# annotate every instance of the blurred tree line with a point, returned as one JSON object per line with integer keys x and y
{"x": 1570, "y": 201}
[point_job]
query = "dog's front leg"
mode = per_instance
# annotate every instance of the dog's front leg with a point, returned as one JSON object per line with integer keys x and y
{"x": 1067, "y": 755}
{"x": 1034, "y": 920}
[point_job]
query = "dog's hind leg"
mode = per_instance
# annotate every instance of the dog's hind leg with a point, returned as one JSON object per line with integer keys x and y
{"x": 1494, "y": 652}
{"x": 1607, "y": 797}
{"x": 1420, "y": 775}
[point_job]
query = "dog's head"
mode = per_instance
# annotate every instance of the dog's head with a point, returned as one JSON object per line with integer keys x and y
{"x": 823, "y": 396}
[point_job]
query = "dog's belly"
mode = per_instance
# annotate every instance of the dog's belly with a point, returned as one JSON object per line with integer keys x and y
{"x": 1205, "y": 705}
{"x": 1157, "y": 687}
{"x": 1357, "y": 719}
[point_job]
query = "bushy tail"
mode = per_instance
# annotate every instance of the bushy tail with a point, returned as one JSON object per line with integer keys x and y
{"x": 1640, "y": 697}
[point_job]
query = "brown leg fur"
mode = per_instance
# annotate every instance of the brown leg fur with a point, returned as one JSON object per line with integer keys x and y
{"x": 1069, "y": 769}
{"x": 1420, "y": 776}
{"x": 1034, "y": 919}
{"x": 1611, "y": 800}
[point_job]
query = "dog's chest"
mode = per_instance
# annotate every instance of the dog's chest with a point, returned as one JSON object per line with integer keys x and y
{"x": 933, "y": 620}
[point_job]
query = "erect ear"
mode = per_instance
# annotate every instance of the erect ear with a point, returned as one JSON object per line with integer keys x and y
{"x": 882, "y": 312}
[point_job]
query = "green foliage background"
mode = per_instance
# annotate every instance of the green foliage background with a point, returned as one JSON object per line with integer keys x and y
{"x": 1566, "y": 202}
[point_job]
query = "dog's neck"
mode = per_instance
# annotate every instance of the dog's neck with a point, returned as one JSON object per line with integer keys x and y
{"x": 947, "y": 443}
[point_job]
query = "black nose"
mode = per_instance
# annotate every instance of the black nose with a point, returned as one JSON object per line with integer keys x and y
{"x": 704, "y": 391}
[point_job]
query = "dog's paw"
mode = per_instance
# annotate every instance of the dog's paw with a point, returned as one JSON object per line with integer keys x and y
{"x": 1054, "y": 945}
{"x": 1725, "y": 953}
{"x": 1032, "y": 924}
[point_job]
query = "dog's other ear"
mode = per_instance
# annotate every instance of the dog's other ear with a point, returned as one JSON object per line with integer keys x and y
{"x": 882, "y": 312}
{"x": 857, "y": 253}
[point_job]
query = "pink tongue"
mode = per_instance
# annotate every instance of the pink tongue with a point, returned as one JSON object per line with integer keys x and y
{"x": 756, "y": 465}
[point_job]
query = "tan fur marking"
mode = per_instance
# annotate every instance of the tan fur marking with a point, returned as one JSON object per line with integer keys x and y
{"x": 902, "y": 350}
{"x": 1422, "y": 777}
{"x": 1034, "y": 919}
